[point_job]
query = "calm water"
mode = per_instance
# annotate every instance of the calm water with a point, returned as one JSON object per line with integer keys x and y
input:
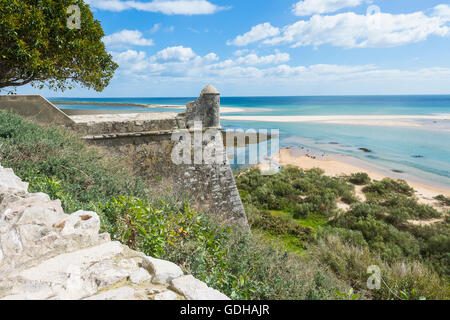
{"x": 418, "y": 152}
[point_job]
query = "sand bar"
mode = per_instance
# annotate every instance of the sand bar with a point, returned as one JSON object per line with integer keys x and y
{"x": 142, "y": 105}
{"x": 380, "y": 120}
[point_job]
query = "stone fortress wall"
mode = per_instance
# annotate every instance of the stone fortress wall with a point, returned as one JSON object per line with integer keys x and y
{"x": 146, "y": 140}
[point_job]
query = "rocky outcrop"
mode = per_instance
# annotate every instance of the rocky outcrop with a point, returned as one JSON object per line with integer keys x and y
{"x": 47, "y": 254}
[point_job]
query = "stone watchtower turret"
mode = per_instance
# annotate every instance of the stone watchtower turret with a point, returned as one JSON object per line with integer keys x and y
{"x": 206, "y": 109}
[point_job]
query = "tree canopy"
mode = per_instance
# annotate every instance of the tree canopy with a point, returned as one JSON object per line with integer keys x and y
{"x": 38, "y": 46}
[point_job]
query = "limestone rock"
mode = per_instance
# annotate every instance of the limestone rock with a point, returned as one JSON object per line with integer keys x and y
{"x": 163, "y": 271}
{"x": 47, "y": 254}
{"x": 194, "y": 289}
{"x": 139, "y": 276}
{"x": 39, "y": 215}
{"x": 81, "y": 222}
{"x": 10, "y": 180}
{"x": 123, "y": 293}
{"x": 105, "y": 273}
{"x": 166, "y": 295}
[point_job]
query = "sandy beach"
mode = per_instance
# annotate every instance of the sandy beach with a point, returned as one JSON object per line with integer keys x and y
{"x": 222, "y": 109}
{"x": 335, "y": 165}
{"x": 148, "y": 106}
{"x": 378, "y": 120}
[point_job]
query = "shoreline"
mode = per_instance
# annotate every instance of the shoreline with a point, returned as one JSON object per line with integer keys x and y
{"x": 416, "y": 121}
{"x": 335, "y": 165}
{"x": 141, "y": 105}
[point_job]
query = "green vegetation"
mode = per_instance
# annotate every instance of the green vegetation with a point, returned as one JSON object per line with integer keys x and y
{"x": 37, "y": 47}
{"x": 359, "y": 178}
{"x": 321, "y": 252}
{"x": 413, "y": 259}
{"x": 57, "y": 162}
{"x": 301, "y": 193}
{"x": 445, "y": 201}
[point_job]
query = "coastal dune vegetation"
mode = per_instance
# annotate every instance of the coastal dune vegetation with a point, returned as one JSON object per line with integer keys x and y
{"x": 312, "y": 236}
{"x": 409, "y": 241}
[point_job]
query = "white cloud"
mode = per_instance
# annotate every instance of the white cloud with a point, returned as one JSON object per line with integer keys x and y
{"x": 126, "y": 38}
{"x": 155, "y": 28}
{"x": 442, "y": 11}
{"x": 257, "y": 33}
{"x": 131, "y": 62}
{"x": 182, "y": 64}
{"x": 253, "y": 59}
{"x": 169, "y": 7}
{"x": 351, "y": 30}
{"x": 193, "y": 30}
{"x": 178, "y": 53}
{"x": 310, "y": 7}
{"x": 239, "y": 53}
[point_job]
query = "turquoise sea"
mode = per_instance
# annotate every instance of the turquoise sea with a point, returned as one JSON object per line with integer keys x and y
{"x": 422, "y": 152}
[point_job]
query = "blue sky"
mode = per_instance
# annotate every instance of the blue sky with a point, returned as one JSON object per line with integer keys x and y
{"x": 284, "y": 47}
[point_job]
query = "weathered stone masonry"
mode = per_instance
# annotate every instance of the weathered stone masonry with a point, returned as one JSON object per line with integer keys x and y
{"x": 146, "y": 139}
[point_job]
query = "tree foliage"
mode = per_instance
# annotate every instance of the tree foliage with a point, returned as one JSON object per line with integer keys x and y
{"x": 37, "y": 47}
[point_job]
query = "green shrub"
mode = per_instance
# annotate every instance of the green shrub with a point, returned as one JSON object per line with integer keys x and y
{"x": 381, "y": 236}
{"x": 279, "y": 225}
{"x": 283, "y": 191}
{"x": 408, "y": 207}
{"x": 347, "y": 236}
{"x": 445, "y": 201}
{"x": 360, "y": 178}
{"x": 303, "y": 210}
{"x": 349, "y": 197}
{"x": 387, "y": 186}
{"x": 148, "y": 227}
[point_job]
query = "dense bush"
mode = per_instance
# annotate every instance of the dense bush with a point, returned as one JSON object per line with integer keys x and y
{"x": 360, "y": 178}
{"x": 445, "y": 201}
{"x": 301, "y": 192}
{"x": 376, "y": 232}
{"x": 380, "y": 189}
{"x": 407, "y": 207}
{"x": 279, "y": 225}
{"x": 303, "y": 210}
{"x": 390, "y": 242}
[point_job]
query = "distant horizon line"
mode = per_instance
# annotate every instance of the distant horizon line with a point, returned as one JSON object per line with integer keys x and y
{"x": 255, "y": 96}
